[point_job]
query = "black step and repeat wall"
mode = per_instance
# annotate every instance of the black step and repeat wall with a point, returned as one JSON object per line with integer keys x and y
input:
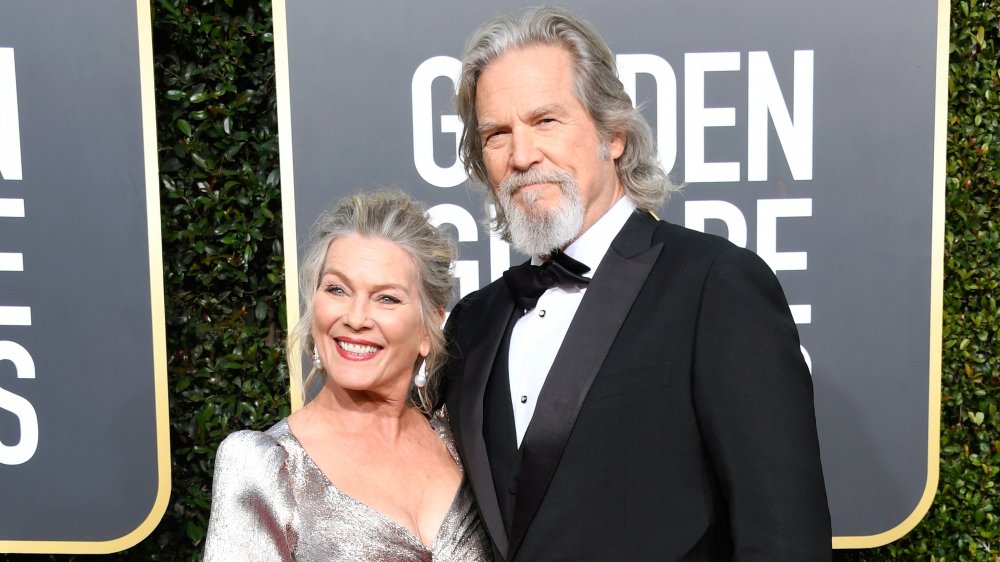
{"x": 84, "y": 452}
{"x": 811, "y": 132}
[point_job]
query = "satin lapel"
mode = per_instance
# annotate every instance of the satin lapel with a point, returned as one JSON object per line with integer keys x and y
{"x": 597, "y": 322}
{"x": 478, "y": 364}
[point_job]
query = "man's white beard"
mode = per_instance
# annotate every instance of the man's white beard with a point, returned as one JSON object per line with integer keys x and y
{"x": 535, "y": 231}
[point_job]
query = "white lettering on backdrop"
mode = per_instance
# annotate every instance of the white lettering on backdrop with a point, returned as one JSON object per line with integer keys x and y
{"x": 24, "y": 366}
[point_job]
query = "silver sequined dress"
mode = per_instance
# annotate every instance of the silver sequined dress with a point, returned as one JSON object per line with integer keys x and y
{"x": 270, "y": 501}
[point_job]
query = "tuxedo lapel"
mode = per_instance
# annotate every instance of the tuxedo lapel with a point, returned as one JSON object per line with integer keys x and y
{"x": 478, "y": 363}
{"x": 608, "y": 299}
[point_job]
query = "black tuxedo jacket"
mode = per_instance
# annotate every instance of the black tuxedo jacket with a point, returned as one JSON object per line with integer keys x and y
{"x": 676, "y": 422}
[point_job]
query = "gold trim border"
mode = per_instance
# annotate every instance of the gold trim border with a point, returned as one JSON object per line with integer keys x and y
{"x": 280, "y": 33}
{"x": 158, "y": 318}
{"x": 936, "y": 299}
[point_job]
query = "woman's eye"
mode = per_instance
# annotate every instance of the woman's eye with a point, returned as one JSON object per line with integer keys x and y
{"x": 387, "y": 299}
{"x": 335, "y": 290}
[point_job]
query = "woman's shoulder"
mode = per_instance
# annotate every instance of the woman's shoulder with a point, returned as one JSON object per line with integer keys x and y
{"x": 440, "y": 424}
{"x": 439, "y": 417}
{"x": 253, "y": 515}
{"x": 254, "y": 448}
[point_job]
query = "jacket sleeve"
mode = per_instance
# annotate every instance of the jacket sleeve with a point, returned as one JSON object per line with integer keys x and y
{"x": 451, "y": 379}
{"x": 754, "y": 404}
{"x": 253, "y": 510}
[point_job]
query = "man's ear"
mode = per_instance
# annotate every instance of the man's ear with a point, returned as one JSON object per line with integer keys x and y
{"x": 616, "y": 146}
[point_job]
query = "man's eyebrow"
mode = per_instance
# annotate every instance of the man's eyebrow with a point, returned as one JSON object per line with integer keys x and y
{"x": 486, "y": 127}
{"x": 548, "y": 109}
{"x": 540, "y": 111}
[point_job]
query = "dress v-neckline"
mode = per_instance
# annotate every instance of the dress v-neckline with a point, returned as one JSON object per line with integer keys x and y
{"x": 380, "y": 515}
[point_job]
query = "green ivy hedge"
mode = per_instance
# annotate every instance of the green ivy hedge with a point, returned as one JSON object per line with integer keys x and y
{"x": 223, "y": 266}
{"x": 223, "y": 262}
{"x": 963, "y": 523}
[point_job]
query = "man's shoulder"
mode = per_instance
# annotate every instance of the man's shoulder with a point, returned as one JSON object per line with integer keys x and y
{"x": 682, "y": 243}
{"x": 694, "y": 253}
{"x": 482, "y": 297}
{"x": 471, "y": 307}
{"x": 682, "y": 235}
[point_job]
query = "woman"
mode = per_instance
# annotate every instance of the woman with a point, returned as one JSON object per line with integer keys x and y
{"x": 363, "y": 471}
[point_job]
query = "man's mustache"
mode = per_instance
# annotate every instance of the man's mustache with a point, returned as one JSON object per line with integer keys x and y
{"x": 518, "y": 180}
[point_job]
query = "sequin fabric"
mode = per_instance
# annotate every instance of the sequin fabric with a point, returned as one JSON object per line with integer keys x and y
{"x": 270, "y": 501}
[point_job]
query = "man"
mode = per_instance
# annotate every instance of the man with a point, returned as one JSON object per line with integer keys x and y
{"x": 654, "y": 403}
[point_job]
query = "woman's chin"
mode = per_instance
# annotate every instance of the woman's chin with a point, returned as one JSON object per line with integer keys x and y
{"x": 369, "y": 387}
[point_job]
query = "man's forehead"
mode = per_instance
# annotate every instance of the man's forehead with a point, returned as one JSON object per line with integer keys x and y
{"x": 534, "y": 65}
{"x": 534, "y": 52}
{"x": 536, "y": 79}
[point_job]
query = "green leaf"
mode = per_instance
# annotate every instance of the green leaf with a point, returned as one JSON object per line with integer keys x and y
{"x": 194, "y": 532}
{"x": 199, "y": 161}
{"x": 184, "y": 127}
{"x": 233, "y": 151}
{"x": 274, "y": 177}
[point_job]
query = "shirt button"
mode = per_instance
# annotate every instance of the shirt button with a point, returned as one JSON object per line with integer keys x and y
{"x": 541, "y": 313}
{"x": 524, "y": 400}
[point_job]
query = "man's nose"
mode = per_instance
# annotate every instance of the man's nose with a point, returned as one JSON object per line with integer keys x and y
{"x": 524, "y": 150}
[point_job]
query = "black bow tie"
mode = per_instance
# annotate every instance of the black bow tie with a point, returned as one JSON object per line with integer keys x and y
{"x": 527, "y": 282}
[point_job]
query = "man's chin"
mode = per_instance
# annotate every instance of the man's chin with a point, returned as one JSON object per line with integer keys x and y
{"x": 538, "y": 198}
{"x": 536, "y": 210}
{"x": 538, "y": 237}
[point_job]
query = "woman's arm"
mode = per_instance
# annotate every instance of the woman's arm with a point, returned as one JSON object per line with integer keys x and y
{"x": 253, "y": 511}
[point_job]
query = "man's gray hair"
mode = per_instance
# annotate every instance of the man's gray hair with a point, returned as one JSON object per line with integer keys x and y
{"x": 597, "y": 88}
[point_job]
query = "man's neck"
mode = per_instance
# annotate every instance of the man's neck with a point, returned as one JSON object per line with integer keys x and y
{"x": 593, "y": 242}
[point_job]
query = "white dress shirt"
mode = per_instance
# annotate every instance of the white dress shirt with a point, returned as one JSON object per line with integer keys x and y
{"x": 538, "y": 335}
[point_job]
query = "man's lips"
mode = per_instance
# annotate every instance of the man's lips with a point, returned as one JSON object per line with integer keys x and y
{"x": 530, "y": 187}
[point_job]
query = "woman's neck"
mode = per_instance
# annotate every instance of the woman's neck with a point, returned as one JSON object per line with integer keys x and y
{"x": 360, "y": 414}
